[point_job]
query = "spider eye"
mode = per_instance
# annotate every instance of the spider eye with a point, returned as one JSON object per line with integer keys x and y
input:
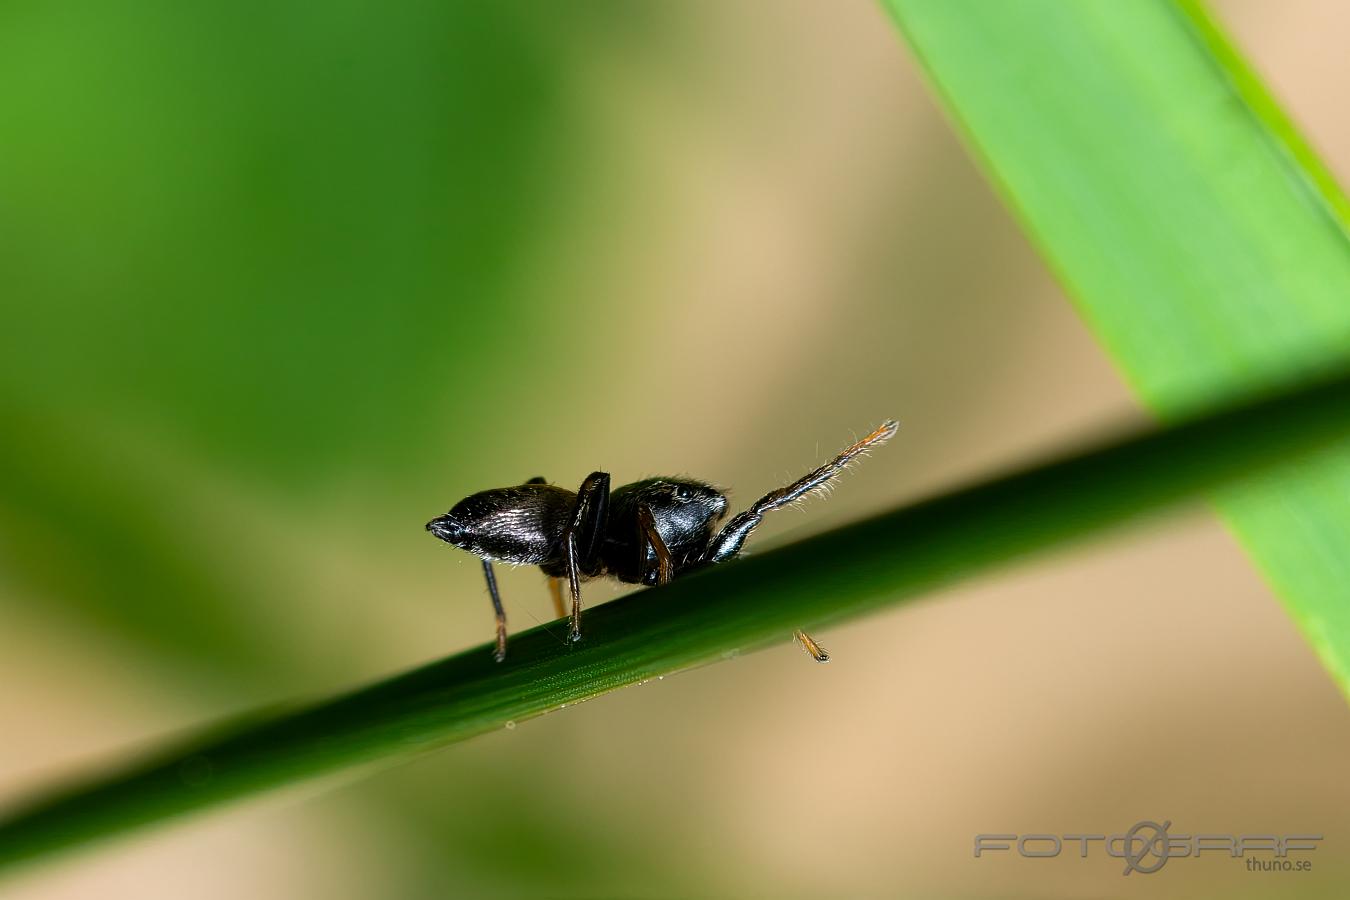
{"x": 683, "y": 494}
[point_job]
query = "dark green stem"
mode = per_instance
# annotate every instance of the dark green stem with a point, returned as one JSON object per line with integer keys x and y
{"x": 709, "y": 615}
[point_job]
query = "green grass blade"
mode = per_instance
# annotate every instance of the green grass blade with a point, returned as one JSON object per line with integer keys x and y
{"x": 708, "y": 616}
{"x": 1194, "y": 228}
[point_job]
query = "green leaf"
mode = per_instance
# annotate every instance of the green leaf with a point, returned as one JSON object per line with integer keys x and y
{"x": 735, "y": 607}
{"x": 1196, "y": 231}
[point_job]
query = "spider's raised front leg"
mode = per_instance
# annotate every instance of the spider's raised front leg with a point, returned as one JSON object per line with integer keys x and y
{"x": 731, "y": 538}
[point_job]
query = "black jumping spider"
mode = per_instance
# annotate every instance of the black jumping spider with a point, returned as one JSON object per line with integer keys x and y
{"x": 648, "y": 532}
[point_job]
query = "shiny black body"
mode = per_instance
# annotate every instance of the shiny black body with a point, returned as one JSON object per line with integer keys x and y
{"x": 527, "y": 525}
{"x": 647, "y": 532}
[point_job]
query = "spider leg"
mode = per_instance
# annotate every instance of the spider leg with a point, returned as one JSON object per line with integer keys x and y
{"x": 811, "y": 646}
{"x": 582, "y": 538}
{"x": 731, "y": 538}
{"x": 573, "y": 583}
{"x": 500, "y": 653}
{"x": 650, "y": 536}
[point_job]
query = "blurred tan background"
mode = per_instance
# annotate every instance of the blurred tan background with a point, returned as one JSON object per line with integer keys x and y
{"x": 284, "y": 283}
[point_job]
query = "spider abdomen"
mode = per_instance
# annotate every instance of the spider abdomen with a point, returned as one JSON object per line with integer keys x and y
{"x": 521, "y": 525}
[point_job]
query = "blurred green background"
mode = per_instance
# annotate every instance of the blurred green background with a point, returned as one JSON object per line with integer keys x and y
{"x": 280, "y": 282}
